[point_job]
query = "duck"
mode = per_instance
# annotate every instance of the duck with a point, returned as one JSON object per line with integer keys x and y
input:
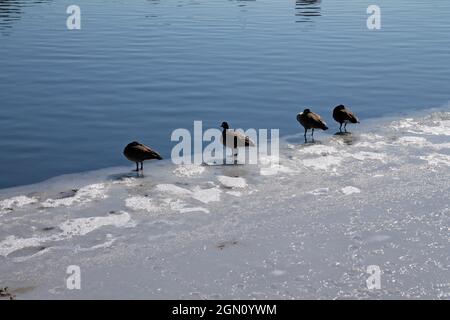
{"x": 138, "y": 153}
{"x": 343, "y": 115}
{"x": 233, "y": 140}
{"x": 311, "y": 120}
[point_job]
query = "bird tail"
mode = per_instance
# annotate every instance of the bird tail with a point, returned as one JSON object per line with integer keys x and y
{"x": 324, "y": 127}
{"x": 353, "y": 118}
{"x": 155, "y": 155}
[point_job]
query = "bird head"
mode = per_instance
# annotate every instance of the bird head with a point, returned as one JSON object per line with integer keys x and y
{"x": 225, "y": 125}
{"x": 306, "y": 111}
{"x": 340, "y": 107}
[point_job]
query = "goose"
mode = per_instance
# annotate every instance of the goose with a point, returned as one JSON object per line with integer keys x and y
{"x": 311, "y": 120}
{"x": 344, "y": 115}
{"x": 138, "y": 153}
{"x": 233, "y": 139}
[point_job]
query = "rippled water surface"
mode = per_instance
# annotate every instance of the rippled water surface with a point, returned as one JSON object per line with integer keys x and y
{"x": 70, "y": 100}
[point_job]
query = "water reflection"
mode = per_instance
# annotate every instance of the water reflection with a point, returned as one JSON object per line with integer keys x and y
{"x": 242, "y": 3}
{"x": 306, "y": 10}
{"x": 11, "y": 11}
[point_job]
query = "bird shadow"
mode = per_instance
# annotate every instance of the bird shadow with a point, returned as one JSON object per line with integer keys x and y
{"x": 224, "y": 164}
{"x": 123, "y": 176}
{"x": 311, "y": 142}
{"x": 347, "y": 137}
{"x": 220, "y": 162}
{"x": 342, "y": 133}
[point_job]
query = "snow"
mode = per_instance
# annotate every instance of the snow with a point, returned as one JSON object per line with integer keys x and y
{"x": 304, "y": 227}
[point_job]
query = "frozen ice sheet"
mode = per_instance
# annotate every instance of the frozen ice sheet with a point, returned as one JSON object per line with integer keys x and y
{"x": 307, "y": 226}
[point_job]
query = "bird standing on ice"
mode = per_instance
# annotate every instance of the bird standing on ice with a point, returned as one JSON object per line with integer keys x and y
{"x": 343, "y": 115}
{"x": 138, "y": 153}
{"x": 234, "y": 140}
{"x": 311, "y": 120}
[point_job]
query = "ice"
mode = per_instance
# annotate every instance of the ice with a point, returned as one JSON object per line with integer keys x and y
{"x": 69, "y": 229}
{"x": 350, "y": 190}
{"x": 12, "y": 243}
{"x": 274, "y": 169}
{"x": 278, "y": 272}
{"x": 269, "y": 166}
{"x": 206, "y": 195}
{"x": 413, "y": 141}
{"x": 436, "y": 159}
{"x": 320, "y": 191}
{"x": 319, "y": 149}
{"x": 364, "y": 155}
{"x": 172, "y": 189}
{"x": 17, "y": 202}
{"x": 232, "y": 182}
{"x": 188, "y": 170}
{"x": 378, "y": 238}
{"x": 202, "y": 195}
{"x": 83, "y": 226}
{"x": 305, "y": 226}
{"x": 324, "y": 163}
{"x": 235, "y": 193}
{"x": 141, "y": 203}
{"x": 437, "y": 123}
{"x": 85, "y": 194}
{"x": 439, "y": 128}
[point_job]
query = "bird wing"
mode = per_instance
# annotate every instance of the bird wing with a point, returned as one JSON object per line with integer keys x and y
{"x": 241, "y": 139}
{"x": 147, "y": 152}
{"x": 303, "y": 119}
{"x": 316, "y": 119}
{"x": 350, "y": 116}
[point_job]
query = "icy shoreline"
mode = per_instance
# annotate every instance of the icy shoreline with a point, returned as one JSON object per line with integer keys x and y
{"x": 306, "y": 229}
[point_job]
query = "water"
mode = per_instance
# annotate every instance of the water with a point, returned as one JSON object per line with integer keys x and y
{"x": 71, "y": 100}
{"x": 307, "y": 227}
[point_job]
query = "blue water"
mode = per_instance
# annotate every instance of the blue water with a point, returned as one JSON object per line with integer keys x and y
{"x": 71, "y": 100}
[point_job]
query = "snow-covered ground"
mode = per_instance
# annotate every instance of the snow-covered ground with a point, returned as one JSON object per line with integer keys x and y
{"x": 308, "y": 228}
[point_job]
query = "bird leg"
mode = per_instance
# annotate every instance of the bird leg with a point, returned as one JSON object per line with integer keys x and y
{"x": 312, "y": 133}
{"x": 142, "y": 165}
{"x": 235, "y": 154}
{"x": 340, "y": 127}
{"x": 345, "y": 127}
{"x": 137, "y": 167}
{"x": 306, "y": 130}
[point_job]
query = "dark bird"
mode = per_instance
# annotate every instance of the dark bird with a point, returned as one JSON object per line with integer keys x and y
{"x": 343, "y": 115}
{"x": 233, "y": 139}
{"x": 138, "y": 153}
{"x": 311, "y": 120}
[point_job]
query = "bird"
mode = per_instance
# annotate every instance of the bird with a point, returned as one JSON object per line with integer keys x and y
{"x": 138, "y": 153}
{"x": 344, "y": 115}
{"x": 233, "y": 139}
{"x": 311, "y": 120}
